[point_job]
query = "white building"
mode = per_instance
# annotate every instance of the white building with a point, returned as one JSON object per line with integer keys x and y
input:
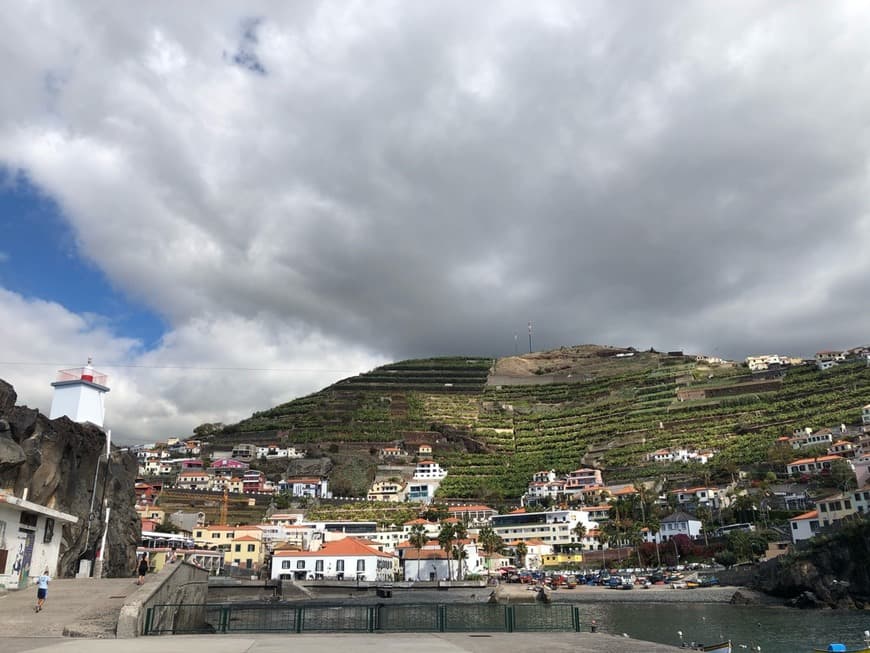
{"x": 428, "y": 470}
{"x": 678, "y": 523}
{"x": 30, "y": 538}
{"x": 804, "y": 526}
{"x": 79, "y": 394}
{"x": 347, "y": 558}
{"x": 551, "y": 527}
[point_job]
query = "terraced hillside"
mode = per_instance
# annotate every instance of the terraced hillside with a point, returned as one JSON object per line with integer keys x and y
{"x": 498, "y": 422}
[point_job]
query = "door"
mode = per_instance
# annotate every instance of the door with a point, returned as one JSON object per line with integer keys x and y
{"x": 21, "y": 566}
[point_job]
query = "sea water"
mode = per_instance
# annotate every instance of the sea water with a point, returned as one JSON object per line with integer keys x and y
{"x": 772, "y": 628}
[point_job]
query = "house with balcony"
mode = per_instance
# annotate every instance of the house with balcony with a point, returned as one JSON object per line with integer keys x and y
{"x": 553, "y": 527}
{"x": 545, "y": 476}
{"x": 389, "y": 490}
{"x": 707, "y": 497}
{"x": 193, "y": 480}
{"x": 580, "y": 479}
{"x": 427, "y": 470}
{"x": 252, "y": 481}
{"x": 475, "y": 515}
{"x": 314, "y": 487}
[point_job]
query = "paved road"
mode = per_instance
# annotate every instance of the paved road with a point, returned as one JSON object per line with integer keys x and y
{"x": 76, "y": 606}
{"x": 358, "y": 643}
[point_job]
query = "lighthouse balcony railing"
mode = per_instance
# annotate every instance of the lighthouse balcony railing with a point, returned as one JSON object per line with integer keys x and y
{"x": 82, "y": 374}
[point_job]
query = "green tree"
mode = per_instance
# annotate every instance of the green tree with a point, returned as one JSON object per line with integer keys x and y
{"x": 521, "y": 551}
{"x": 490, "y": 540}
{"x": 446, "y": 537}
{"x": 418, "y": 539}
{"x": 579, "y": 531}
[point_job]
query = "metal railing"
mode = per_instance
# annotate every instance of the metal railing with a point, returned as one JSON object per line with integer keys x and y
{"x": 179, "y": 619}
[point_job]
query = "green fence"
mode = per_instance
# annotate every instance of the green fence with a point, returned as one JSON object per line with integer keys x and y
{"x": 179, "y": 619}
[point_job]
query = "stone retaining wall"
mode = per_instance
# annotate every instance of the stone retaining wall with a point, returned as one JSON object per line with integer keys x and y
{"x": 182, "y": 583}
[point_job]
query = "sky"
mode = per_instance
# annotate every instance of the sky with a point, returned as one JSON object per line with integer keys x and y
{"x": 231, "y": 208}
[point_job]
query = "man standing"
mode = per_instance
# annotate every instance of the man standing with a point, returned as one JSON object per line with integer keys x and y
{"x": 42, "y": 589}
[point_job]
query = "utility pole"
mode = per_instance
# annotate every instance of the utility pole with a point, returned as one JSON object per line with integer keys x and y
{"x": 530, "y": 336}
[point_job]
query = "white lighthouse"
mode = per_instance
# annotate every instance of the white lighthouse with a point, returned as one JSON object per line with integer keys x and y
{"x": 79, "y": 393}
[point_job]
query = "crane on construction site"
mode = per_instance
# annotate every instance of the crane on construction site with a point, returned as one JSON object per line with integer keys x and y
{"x": 225, "y": 504}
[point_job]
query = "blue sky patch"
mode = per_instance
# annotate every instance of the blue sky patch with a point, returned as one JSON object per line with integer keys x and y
{"x": 39, "y": 259}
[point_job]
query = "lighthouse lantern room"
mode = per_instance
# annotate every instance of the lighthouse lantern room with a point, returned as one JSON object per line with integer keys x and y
{"x": 79, "y": 393}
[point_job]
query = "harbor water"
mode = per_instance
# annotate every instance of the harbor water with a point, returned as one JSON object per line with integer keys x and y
{"x": 773, "y": 629}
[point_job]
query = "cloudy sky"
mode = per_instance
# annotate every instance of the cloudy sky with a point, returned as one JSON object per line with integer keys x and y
{"x": 234, "y": 207}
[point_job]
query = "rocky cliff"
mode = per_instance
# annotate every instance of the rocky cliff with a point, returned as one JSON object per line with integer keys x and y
{"x": 56, "y": 461}
{"x": 831, "y": 571}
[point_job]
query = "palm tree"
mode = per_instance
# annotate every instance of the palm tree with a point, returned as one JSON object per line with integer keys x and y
{"x": 460, "y": 554}
{"x": 521, "y": 550}
{"x": 446, "y": 536}
{"x": 579, "y": 531}
{"x": 490, "y": 541}
{"x": 655, "y": 527}
{"x": 418, "y": 539}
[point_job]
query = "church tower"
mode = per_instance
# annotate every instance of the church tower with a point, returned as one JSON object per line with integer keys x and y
{"x": 79, "y": 393}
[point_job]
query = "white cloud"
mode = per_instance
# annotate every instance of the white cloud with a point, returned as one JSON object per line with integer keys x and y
{"x": 406, "y": 179}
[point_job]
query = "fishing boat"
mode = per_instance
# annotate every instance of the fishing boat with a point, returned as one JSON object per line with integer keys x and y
{"x": 841, "y": 648}
{"x": 724, "y": 647}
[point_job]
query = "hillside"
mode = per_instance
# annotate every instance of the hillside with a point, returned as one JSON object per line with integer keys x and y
{"x": 495, "y": 422}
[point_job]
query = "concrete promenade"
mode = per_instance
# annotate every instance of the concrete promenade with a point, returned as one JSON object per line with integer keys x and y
{"x": 358, "y": 643}
{"x": 77, "y": 607}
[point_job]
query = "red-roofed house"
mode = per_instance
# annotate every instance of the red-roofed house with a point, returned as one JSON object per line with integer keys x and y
{"x": 811, "y": 465}
{"x": 804, "y": 526}
{"x": 348, "y": 558}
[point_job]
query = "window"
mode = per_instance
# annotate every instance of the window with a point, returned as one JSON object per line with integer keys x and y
{"x": 285, "y": 564}
{"x": 238, "y": 548}
{"x": 823, "y": 507}
{"x": 848, "y": 504}
{"x": 794, "y": 525}
{"x": 300, "y": 564}
{"x": 252, "y": 547}
{"x": 49, "y": 530}
{"x": 318, "y": 565}
{"x": 360, "y": 566}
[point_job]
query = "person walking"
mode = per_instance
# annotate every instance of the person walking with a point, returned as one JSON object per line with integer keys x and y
{"x": 142, "y": 568}
{"x": 42, "y": 589}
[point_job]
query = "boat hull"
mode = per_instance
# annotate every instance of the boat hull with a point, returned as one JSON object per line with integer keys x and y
{"x": 724, "y": 647}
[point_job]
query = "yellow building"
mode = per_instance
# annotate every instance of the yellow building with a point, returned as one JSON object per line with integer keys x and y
{"x": 214, "y": 536}
{"x": 561, "y": 559}
{"x": 247, "y": 551}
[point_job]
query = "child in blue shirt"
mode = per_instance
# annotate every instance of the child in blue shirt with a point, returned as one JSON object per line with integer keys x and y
{"x": 42, "y": 589}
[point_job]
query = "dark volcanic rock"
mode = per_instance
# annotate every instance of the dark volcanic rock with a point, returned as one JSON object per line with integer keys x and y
{"x": 56, "y": 462}
{"x": 832, "y": 571}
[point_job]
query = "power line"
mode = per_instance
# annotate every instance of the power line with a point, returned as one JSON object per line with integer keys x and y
{"x": 186, "y": 367}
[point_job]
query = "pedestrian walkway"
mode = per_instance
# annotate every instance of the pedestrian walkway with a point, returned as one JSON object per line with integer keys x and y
{"x": 358, "y": 643}
{"x": 78, "y": 607}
